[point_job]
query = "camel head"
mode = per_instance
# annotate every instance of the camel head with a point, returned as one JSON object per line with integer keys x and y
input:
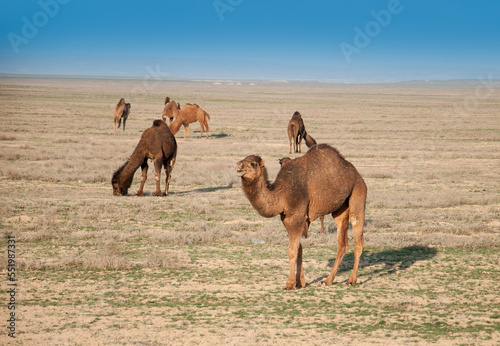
{"x": 167, "y": 100}
{"x": 251, "y": 168}
{"x": 118, "y": 188}
{"x": 284, "y": 160}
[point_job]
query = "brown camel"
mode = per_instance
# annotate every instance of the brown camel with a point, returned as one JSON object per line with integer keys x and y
{"x": 297, "y": 131}
{"x": 285, "y": 160}
{"x": 171, "y": 110}
{"x": 320, "y": 182}
{"x": 117, "y": 112}
{"x": 158, "y": 144}
{"x": 189, "y": 114}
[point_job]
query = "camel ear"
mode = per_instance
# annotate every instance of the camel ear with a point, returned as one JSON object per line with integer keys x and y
{"x": 261, "y": 163}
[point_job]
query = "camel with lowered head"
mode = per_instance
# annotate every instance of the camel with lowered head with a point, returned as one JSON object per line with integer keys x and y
{"x": 285, "y": 160}
{"x": 189, "y": 114}
{"x": 297, "y": 131}
{"x": 171, "y": 110}
{"x": 157, "y": 144}
{"x": 319, "y": 183}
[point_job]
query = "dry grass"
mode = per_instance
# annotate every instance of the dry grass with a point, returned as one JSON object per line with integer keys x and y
{"x": 432, "y": 173}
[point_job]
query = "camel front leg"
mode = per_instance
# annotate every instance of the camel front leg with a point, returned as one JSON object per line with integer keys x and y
{"x": 322, "y": 218}
{"x": 158, "y": 164}
{"x": 299, "y": 277}
{"x": 293, "y": 250}
{"x": 144, "y": 176}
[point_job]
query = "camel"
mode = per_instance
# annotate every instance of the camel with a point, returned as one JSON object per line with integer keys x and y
{"x": 319, "y": 183}
{"x": 285, "y": 160}
{"x": 171, "y": 110}
{"x": 297, "y": 131}
{"x": 121, "y": 110}
{"x": 189, "y": 114}
{"x": 158, "y": 144}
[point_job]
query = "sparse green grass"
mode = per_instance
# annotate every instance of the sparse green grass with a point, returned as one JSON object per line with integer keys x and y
{"x": 186, "y": 269}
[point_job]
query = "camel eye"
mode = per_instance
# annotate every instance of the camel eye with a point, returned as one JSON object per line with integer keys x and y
{"x": 254, "y": 164}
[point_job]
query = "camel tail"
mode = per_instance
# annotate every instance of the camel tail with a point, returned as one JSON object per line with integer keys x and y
{"x": 207, "y": 115}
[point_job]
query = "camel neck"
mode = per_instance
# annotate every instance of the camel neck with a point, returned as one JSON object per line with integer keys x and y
{"x": 176, "y": 125}
{"x": 262, "y": 198}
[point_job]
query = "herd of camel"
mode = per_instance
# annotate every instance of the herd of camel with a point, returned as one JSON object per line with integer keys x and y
{"x": 319, "y": 183}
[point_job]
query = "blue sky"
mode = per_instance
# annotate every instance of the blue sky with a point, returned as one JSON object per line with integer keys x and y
{"x": 336, "y": 40}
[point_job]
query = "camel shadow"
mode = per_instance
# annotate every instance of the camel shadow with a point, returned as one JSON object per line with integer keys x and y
{"x": 393, "y": 261}
{"x": 203, "y": 190}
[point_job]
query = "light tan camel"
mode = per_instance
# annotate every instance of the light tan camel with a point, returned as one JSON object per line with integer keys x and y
{"x": 189, "y": 114}
{"x": 296, "y": 131}
{"x": 171, "y": 110}
{"x": 319, "y": 183}
{"x": 157, "y": 144}
{"x": 118, "y": 112}
{"x": 285, "y": 160}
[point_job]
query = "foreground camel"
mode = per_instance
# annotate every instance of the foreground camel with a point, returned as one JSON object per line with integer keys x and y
{"x": 171, "y": 110}
{"x": 121, "y": 110}
{"x": 297, "y": 131}
{"x": 285, "y": 160}
{"x": 189, "y": 114}
{"x": 157, "y": 144}
{"x": 319, "y": 183}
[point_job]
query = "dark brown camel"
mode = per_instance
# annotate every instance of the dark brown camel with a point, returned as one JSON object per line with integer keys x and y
{"x": 297, "y": 131}
{"x": 189, "y": 114}
{"x": 157, "y": 144}
{"x": 171, "y": 110}
{"x": 319, "y": 183}
{"x": 121, "y": 110}
{"x": 285, "y": 160}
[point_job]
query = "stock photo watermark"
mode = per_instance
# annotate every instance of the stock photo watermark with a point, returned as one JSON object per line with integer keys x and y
{"x": 152, "y": 74}
{"x": 31, "y": 26}
{"x": 11, "y": 286}
{"x": 364, "y": 35}
{"x": 484, "y": 88}
{"x": 223, "y": 6}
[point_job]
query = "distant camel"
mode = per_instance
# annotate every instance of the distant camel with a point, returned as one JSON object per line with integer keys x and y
{"x": 285, "y": 160}
{"x": 189, "y": 114}
{"x": 157, "y": 144}
{"x": 121, "y": 110}
{"x": 297, "y": 131}
{"x": 171, "y": 110}
{"x": 320, "y": 182}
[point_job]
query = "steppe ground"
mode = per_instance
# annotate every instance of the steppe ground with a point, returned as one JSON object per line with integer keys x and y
{"x": 201, "y": 266}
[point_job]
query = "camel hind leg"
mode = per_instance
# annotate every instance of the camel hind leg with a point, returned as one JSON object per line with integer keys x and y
{"x": 202, "y": 129}
{"x": 357, "y": 203}
{"x": 341, "y": 218}
{"x": 206, "y": 124}
{"x": 169, "y": 167}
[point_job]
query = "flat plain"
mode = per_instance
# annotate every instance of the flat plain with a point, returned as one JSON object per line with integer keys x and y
{"x": 201, "y": 266}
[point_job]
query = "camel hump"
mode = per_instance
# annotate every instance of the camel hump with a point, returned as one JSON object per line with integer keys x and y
{"x": 158, "y": 123}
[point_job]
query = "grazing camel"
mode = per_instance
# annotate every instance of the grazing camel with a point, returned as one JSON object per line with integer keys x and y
{"x": 285, "y": 160}
{"x": 320, "y": 182}
{"x": 297, "y": 131}
{"x": 121, "y": 110}
{"x": 189, "y": 114}
{"x": 171, "y": 110}
{"x": 157, "y": 144}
